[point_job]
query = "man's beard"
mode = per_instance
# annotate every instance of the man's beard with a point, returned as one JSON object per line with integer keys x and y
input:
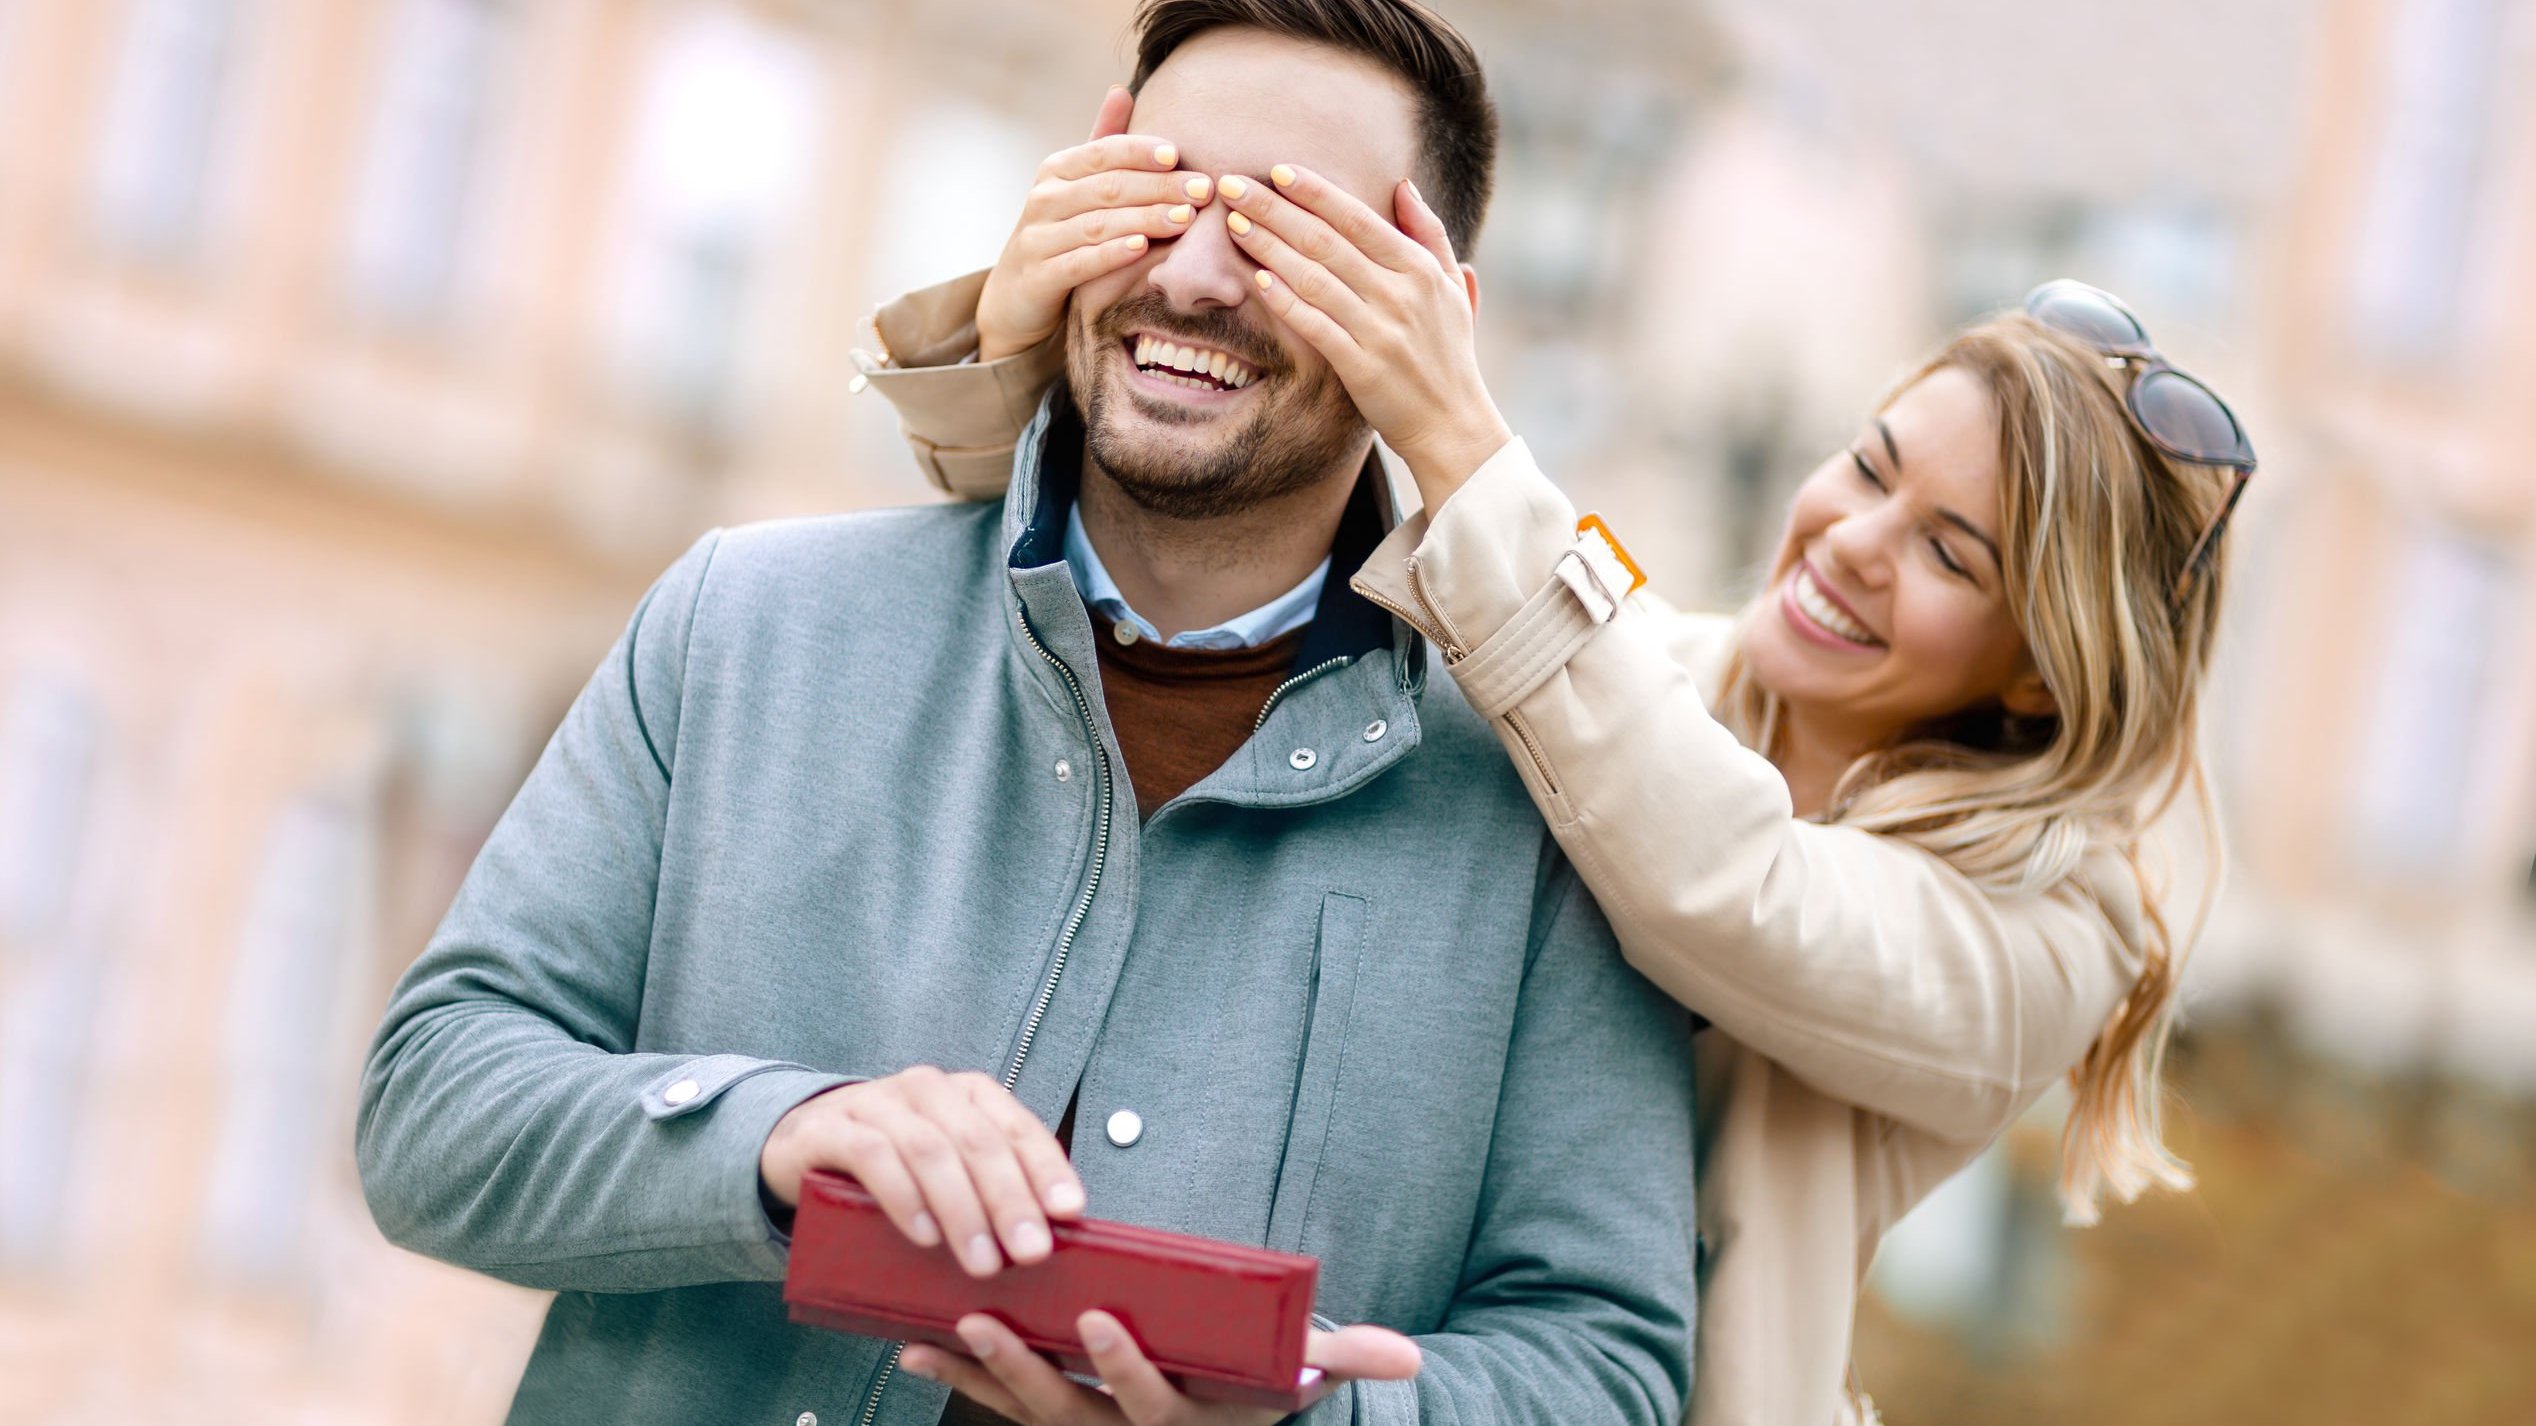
{"x": 1297, "y": 434}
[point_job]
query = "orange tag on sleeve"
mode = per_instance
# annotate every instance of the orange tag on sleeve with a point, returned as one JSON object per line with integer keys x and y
{"x": 1593, "y": 524}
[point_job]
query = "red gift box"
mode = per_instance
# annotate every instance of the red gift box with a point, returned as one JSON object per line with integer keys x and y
{"x": 1225, "y": 1321}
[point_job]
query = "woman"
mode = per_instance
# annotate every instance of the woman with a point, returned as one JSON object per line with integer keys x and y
{"x": 1907, "y": 830}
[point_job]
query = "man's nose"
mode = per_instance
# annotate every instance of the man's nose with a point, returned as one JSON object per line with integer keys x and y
{"x": 1202, "y": 267}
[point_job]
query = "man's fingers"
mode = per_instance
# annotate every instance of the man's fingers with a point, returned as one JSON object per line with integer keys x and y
{"x": 965, "y": 1377}
{"x": 1042, "y": 1392}
{"x": 1128, "y": 152}
{"x": 1421, "y": 222}
{"x": 942, "y": 1172}
{"x": 986, "y": 1146}
{"x": 1363, "y": 1353}
{"x": 1115, "y": 107}
{"x": 1139, "y": 1388}
{"x": 873, "y": 1159}
{"x": 1043, "y": 1159}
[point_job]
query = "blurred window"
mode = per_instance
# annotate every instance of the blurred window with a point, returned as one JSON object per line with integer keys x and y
{"x": 721, "y": 162}
{"x": 163, "y": 124}
{"x": 300, "y": 950}
{"x": 2430, "y": 717}
{"x": 426, "y": 145}
{"x": 2419, "y": 225}
{"x": 50, "y": 982}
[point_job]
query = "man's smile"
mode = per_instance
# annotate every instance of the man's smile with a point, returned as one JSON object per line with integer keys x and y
{"x": 1186, "y": 370}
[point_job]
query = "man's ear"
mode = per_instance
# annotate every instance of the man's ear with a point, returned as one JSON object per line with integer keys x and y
{"x": 1470, "y": 283}
{"x": 2027, "y": 696}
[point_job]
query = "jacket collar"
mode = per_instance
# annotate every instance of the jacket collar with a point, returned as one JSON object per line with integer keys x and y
{"x": 1048, "y": 473}
{"x": 1322, "y": 736}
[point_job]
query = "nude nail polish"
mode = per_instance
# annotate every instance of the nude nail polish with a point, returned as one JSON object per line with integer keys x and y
{"x": 1196, "y": 188}
{"x": 1167, "y": 155}
{"x": 1282, "y": 175}
{"x": 1238, "y": 223}
{"x": 1233, "y": 186}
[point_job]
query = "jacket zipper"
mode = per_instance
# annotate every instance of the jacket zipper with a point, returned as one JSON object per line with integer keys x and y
{"x": 1280, "y": 691}
{"x": 1450, "y": 638}
{"x": 1065, "y": 939}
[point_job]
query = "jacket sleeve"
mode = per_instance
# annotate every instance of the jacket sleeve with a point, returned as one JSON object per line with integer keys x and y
{"x": 1578, "y": 1294}
{"x": 961, "y": 418}
{"x": 1869, "y": 969}
{"x": 506, "y": 1122}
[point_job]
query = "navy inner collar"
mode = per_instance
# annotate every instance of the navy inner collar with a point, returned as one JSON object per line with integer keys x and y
{"x": 1345, "y": 624}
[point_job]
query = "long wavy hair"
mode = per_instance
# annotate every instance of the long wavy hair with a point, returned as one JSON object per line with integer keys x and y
{"x": 2096, "y": 526}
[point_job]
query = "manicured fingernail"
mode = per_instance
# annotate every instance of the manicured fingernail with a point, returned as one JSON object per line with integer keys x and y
{"x": 1263, "y": 279}
{"x": 1167, "y": 155}
{"x": 981, "y": 1343}
{"x": 1029, "y": 1240}
{"x": 1238, "y": 223}
{"x": 1197, "y": 188}
{"x": 1065, "y": 1198}
{"x": 1233, "y": 187}
{"x": 1098, "y": 1334}
{"x": 924, "y": 1230}
{"x": 1183, "y": 213}
{"x": 982, "y": 1254}
{"x": 1135, "y": 242}
{"x": 1282, "y": 175}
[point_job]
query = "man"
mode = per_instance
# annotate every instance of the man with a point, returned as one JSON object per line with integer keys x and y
{"x": 883, "y": 843}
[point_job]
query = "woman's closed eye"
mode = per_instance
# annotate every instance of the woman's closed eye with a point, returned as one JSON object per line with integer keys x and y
{"x": 1865, "y": 471}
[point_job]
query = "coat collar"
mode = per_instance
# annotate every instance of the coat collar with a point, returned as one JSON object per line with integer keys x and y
{"x": 1348, "y": 715}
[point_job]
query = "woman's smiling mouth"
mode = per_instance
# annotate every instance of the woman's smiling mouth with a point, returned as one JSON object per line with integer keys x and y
{"x": 1815, "y": 612}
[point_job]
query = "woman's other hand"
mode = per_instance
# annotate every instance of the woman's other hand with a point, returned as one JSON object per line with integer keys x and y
{"x": 1094, "y": 208}
{"x": 1389, "y": 307}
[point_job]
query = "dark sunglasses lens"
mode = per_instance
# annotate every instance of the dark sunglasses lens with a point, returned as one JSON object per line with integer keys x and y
{"x": 2086, "y": 315}
{"x": 2188, "y": 418}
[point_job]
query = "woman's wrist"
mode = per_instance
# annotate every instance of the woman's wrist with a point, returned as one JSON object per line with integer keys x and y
{"x": 1446, "y": 462}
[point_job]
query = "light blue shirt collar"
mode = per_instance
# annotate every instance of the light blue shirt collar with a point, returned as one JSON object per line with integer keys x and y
{"x": 1276, "y": 618}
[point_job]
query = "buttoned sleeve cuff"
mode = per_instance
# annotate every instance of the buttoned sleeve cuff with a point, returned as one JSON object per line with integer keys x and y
{"x": 1501, "y": 579}
{"x": 961, "y": 417}
{"x": 736, "y": 1101}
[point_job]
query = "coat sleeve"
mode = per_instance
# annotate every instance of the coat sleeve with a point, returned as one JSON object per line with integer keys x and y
{"x": 961, "y": 418}
{"x": 1577, "y": 1295}
{"x": 506, "y": 1122}
{"x": 1869, "y": 969}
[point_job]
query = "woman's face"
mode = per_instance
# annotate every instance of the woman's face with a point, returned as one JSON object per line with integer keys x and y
{"x": 1885, "y": 608}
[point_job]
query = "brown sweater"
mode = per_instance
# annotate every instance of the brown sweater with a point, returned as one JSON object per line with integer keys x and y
{"x": 1179, "y": 714}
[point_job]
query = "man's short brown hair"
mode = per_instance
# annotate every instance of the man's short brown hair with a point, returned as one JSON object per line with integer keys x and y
{"x": 1457, "y": 122}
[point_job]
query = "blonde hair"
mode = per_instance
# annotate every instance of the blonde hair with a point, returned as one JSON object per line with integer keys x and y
{"x": 2096, "y": 526}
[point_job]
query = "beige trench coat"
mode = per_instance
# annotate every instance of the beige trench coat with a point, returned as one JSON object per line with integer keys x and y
{"x": 1879, "y": 1019}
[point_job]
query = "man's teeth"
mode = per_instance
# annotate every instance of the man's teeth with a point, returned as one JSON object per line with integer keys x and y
{"x": 1225, "y": 371}
{"x": 1819, "y": 608}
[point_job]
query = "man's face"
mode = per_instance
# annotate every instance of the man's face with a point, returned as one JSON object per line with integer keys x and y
{"x": 1236, "y": 101}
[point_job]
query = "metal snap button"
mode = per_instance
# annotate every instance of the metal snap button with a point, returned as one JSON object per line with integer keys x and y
{"x": 682, "y": 1091}
{"x": 1065, "y": 771}
{"x": 1126, "y": 1127}
{"x": 807, "y": 1418}
{"x": 1302, "y": 759}
{"x": 1375, "y": 729}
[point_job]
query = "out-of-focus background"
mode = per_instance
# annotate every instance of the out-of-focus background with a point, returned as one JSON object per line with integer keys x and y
{"x": 361, "y": 361}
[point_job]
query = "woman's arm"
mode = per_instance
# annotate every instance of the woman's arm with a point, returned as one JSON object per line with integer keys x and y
{"x": 1870, "y": 969}
{"x": 961, "y": 417}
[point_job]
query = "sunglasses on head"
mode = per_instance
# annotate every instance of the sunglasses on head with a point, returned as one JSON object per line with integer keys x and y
{"x": 2178, "y": 415}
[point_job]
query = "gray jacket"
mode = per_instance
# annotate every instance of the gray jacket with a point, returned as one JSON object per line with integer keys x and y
{"x": 844, "y": 798}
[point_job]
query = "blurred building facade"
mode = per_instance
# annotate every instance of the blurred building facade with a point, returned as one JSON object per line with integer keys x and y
{"x": 361, "y": 360}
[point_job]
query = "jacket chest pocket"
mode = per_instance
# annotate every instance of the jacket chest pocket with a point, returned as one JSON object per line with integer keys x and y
{"x": 1337, "y": 955}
